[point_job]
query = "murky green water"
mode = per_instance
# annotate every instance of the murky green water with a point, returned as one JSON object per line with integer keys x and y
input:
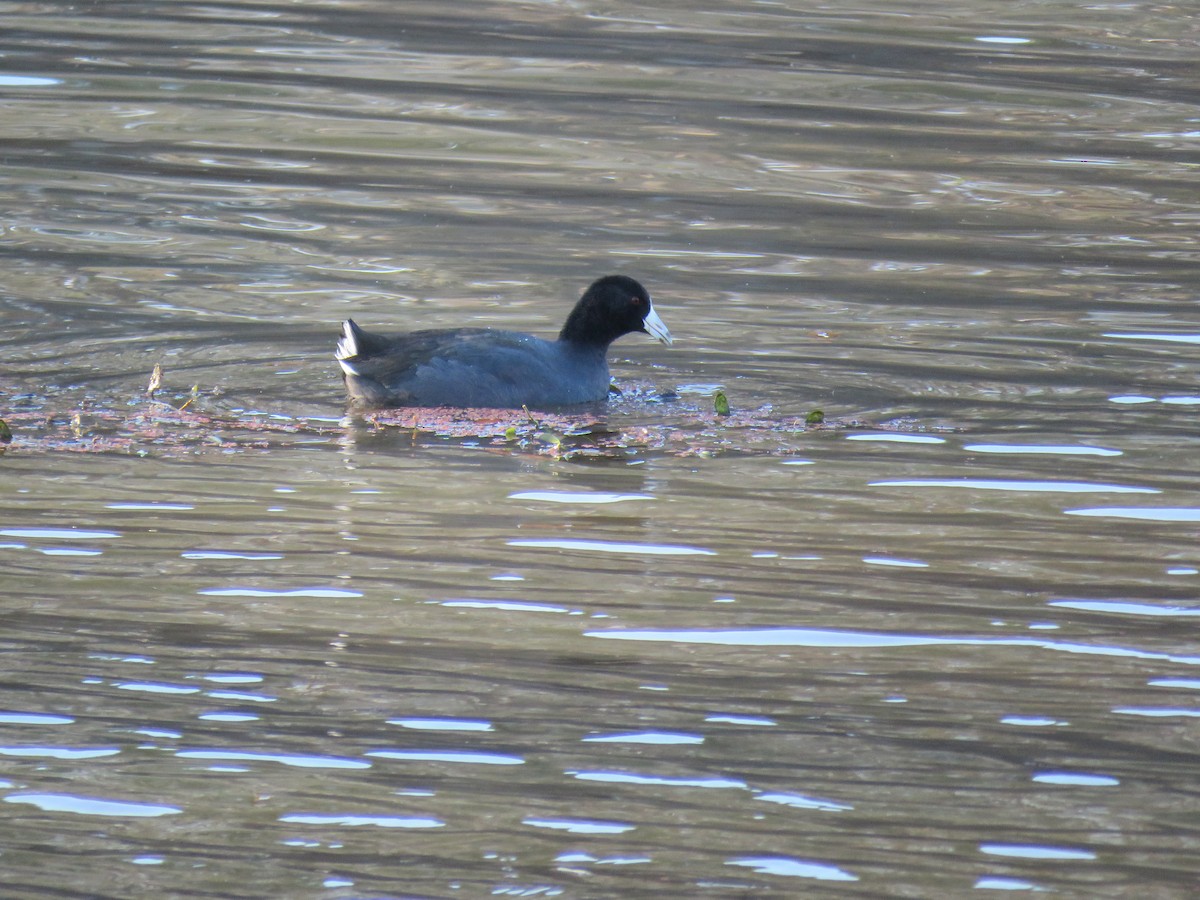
{"x": 944, "y": 644}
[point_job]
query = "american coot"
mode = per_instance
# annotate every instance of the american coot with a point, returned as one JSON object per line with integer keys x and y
{"x": 501, "y": 369}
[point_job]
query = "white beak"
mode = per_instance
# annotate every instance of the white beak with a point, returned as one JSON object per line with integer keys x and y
{"x": 656, "y": 327}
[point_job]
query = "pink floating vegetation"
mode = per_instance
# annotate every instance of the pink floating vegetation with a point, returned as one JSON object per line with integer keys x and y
{"x": 153, "y": 427}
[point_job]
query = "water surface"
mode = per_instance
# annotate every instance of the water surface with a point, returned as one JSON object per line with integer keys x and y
{"x": 941, "y": 644}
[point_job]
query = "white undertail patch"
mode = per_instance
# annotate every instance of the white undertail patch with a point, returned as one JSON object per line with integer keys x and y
{"x": 347, "y": 348}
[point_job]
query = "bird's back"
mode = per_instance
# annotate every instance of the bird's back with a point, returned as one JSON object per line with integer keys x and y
{"x": 467, "y": 367}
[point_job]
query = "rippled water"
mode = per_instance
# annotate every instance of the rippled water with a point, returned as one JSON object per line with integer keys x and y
{"x": 942, "y": 644}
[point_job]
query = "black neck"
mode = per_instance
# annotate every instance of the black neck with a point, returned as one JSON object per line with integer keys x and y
{"x": 585, "y": 327}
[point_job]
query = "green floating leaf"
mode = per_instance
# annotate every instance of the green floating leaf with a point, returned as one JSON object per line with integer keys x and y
{"x": 510, "y": 433}
{"x": 721, "y": 403}
{"x": 5, "y": 433}
{"x": 816, "y": 417}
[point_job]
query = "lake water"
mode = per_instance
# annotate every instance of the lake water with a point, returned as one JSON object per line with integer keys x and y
{"x": 943, "y": 644}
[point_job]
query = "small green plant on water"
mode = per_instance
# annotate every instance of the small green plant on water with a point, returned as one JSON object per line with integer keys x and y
{"x": 544, "y": 434}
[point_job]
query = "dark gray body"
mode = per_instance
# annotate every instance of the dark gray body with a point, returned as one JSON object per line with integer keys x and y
{"x": 475, "y": 367}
